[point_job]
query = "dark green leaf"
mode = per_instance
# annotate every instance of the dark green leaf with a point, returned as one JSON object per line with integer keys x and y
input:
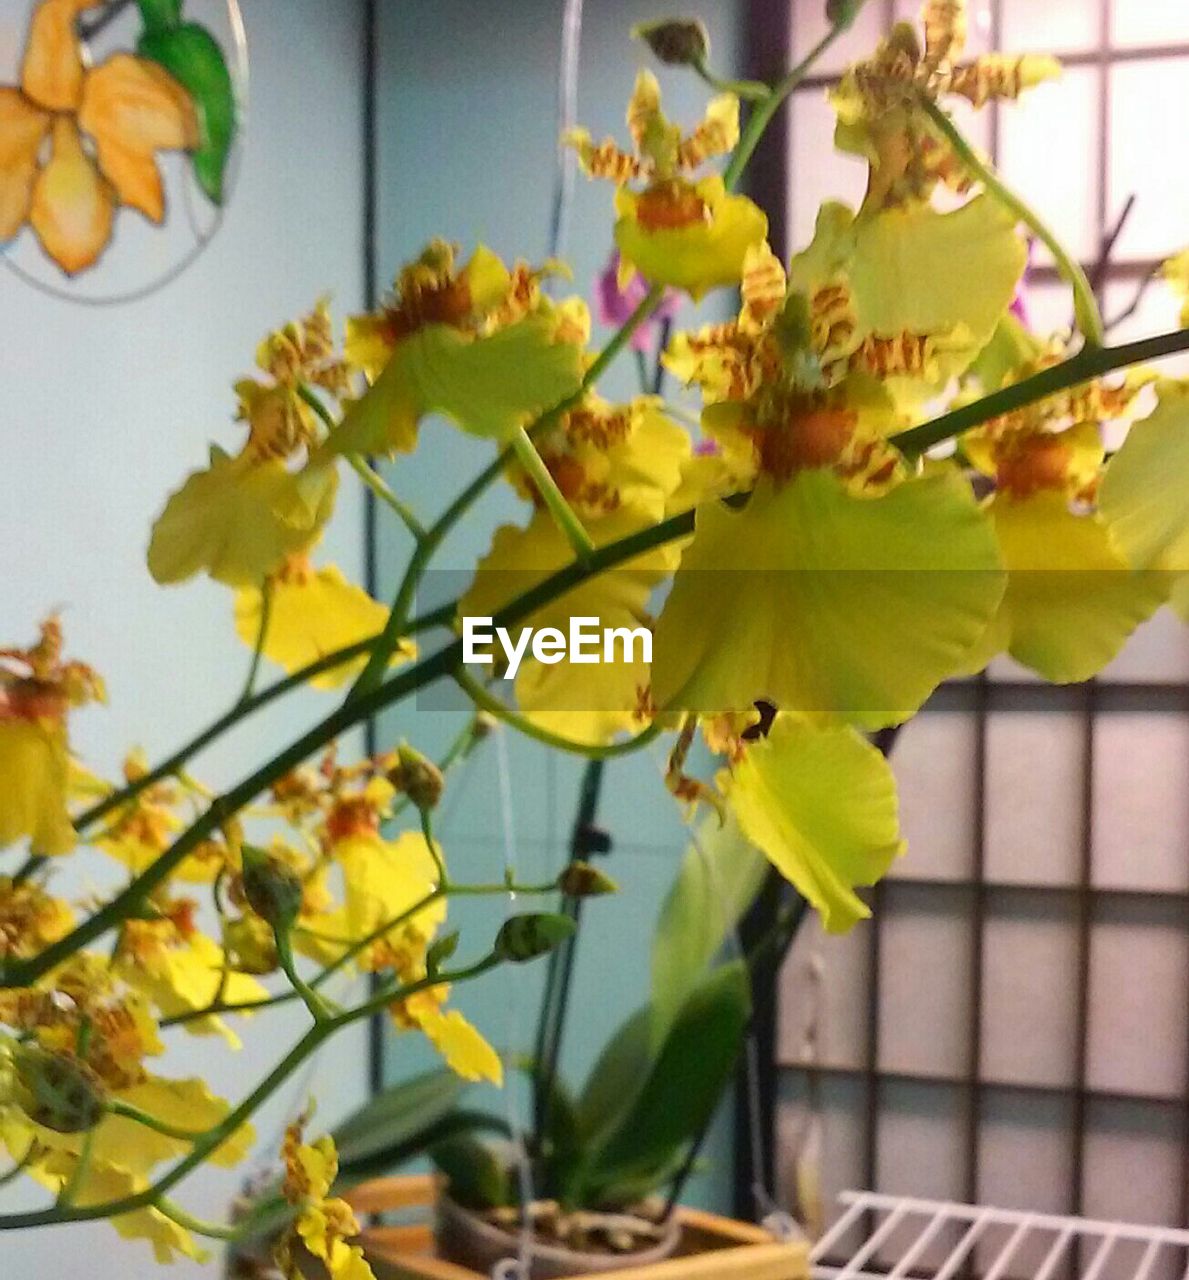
{"x": 193, "y": 57}
{"x": 682, "y": 1089}
{"x": 391, "y": 1118}
{"x": 159, "y": 15}
{"x": 719, "y": 878}
{"x": 477, "y": 1179}
{"x": 386, "y": 1159}
{"x": 617, "y": 1076}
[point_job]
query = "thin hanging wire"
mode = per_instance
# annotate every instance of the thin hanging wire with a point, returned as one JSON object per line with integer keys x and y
{"x": 203, "y": 238}
{"x": 567, "y": 118}
{"x": 510, "y": 1269}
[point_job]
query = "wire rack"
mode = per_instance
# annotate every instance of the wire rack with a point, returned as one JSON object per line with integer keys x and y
{"x": 885, "y": 1237}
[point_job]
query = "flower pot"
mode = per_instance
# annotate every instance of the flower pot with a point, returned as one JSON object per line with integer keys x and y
{"x": 706, "y": 1247}
{"x": 472, "y": 1241}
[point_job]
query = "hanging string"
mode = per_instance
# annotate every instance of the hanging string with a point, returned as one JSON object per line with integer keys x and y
{"x": 567, "y": 118}
{"x": 513, "y": 1269}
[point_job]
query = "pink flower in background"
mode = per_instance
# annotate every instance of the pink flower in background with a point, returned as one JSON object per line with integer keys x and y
{"x": 614, "y": 305}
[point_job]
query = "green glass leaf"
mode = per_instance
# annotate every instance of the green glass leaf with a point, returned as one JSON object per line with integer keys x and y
{"x": 488, "y": 386}
{"x": 194, "y": 58}
{"x": 720, "y": 876}
{"x": 1143, "y": 499}
{"x": 681, "y": 1090}
{"x": 821, "y": 802}
{"x": 821, "y": 601}
{"x": 160, "y": 15}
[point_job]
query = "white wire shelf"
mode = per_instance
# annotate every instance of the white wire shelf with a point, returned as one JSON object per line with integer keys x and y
{"x": 884, "y": 1237}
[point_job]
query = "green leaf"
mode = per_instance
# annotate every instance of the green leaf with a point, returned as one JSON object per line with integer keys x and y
{"x": 193, "y": 57}
{"x": 682, "y": 1088}
{"x": 617, "y": 1076}
{"x": 160, "y": 15}
{"x": 394, "y": 1116}
{"x": 477, "y": 1179}
{"x": 719, "y": 878}
{"x": 418, "y": 1144}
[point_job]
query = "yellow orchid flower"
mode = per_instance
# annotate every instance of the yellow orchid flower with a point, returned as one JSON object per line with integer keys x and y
{"x": 461, "y": 1045}
{"x": 37, "y": 690}
{"x": 312, "y": 612}
{"x": 878, "y": 102}
{"x": 690, "y": 235}
{"x": 30, "y": 919}
{"x": 180, "y": 970}
{"x": 781, "y": 789}
{"x": 324, "y": 1224}
{"x": 1176, "y": 272}
{"x": 129, "y": 108}
{"x": 478, "y": 343}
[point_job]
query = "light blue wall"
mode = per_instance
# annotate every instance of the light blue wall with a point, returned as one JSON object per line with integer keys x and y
{"x": 467, "y": 139}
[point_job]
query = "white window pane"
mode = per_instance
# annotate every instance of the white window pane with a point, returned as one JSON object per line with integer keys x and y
{"x": 1049, "y": 154}
{"x": 1133, "y": 1164}
{"x": 810, "y": 25}
{"x": 1159, "y": 311}
{"x": 1058, "y": 26}
{"x": 1138, "y": 956}
{"x": 1024, "y": 1161}
{"x": 921, "y": 1148}
{"x": 1033, "y": 802}
{"x": 979, "y": 21}
{"x": 925, "y": 931}
{"x": 934, "y": 765}
{"x": 1030, "y": 954}
{"x": 1147, "y": 98}
{"x": 1141, "y": 803}
{"x": 817, "y": 172}
{"x": 1157, "y": 651}
{"x": 1150, "y": 22}
{"x": 841, "y": 1005}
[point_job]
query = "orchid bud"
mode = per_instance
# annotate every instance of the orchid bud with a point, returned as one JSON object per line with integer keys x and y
{"x": 273, "y": 890}
{"x": 581, "y": 880}
{"x": 677, "y": 42}
{"x": 418, "y": 777}
{"x": 842, "y": 13}
{"x": 63, "y": 1093}
{"x": 524, "y": 938}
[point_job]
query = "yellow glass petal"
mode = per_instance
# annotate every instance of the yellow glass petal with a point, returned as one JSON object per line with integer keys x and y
{"x": 703, "y": 255}
{"x": 22, "y": 132}
{"x": 820, "y": 601}
{"x": 73, "y": 204}
{"x": 313, "y": 613}
{"x": 1143, "y": 499}
{"x": 133, "y": 109}
{"x": 225, "y": 521}
{"x": 820, "y": 801}
{"x": 1071, "y": 602}
{"x": 34, "y": 783}
{"x": 52, "y": 74}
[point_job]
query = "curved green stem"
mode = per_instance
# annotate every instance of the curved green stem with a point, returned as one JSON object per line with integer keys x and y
{"x": 266, "y": 591}
{"x": 553, "y": 498}
{"x": 199, "y": 1226}
{"x": 426, "y": 816}
{"x": 1089, "y": 319}
{"x": 750, "y": 90}
{"x": 483, "y": 698}
{"x": 118, "y": 1107}
{"x": 70, "y": 1188}
{"x": 319, "y": 1007}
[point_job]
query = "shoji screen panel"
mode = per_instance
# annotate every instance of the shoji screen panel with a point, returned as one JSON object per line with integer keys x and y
{"x": 1013, "y": 1024}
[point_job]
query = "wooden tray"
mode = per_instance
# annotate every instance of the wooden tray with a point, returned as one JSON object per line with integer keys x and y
{"x": 712, "y": 1248}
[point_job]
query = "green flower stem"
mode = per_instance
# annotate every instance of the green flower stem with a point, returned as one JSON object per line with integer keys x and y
{"x": 750, "y": 90}
{"x": 266, "y": 590}
{"x": 368, "y": 474}
{"x": 563, "y": 514}
{"x": 1089, "y": 363}
{"x": 319, "y": 1007}
{"x": 426, "y": 816}
{"x": 313, "y": 1039}
{"x": 118, "y": 1107}
{"x": 1089, "y": 319}
{"x": 761, "y": 117}
{"x": 199, "y": 1226}
{"x": 11, "y": 1175}
{"x": 1086, "y": 365}
{"x": 70, "y": 1188}
{"x": 487, "y": 701}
